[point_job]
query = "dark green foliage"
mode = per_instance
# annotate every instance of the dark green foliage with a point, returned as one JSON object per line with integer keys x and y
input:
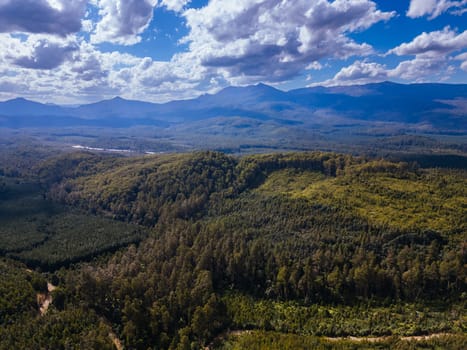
{"x": 45, "y": 234}
{"x": 17, "y": 291}
{"x": 73, "y": 237}
{"x": 72, "y": 329}
{"x": 21, "y": 327}
{"x": 160, "y": 297}
{"x": 147, "y": 188}
{"x": 19, "y": 155}
{"x": 71, "y": 165}
{"x": 304, "y": 243}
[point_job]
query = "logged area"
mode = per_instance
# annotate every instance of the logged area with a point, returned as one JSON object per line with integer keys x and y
{"x": 306, "y": 250}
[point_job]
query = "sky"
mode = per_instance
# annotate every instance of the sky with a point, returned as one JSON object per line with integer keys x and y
{"x": 81, "y": 51}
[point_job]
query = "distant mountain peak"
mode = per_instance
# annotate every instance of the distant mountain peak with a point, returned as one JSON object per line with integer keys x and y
{"x": 22, "y": 101}
{"x": 117, "y": 98}
{"x": 267, "y": 87}
{"x": 18, "y": 99}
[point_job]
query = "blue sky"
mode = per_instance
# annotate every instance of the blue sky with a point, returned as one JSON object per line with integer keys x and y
{"x": 77, "y": 51}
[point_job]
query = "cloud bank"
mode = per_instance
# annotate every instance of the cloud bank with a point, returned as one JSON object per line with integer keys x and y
{"x": 273, "y": 40}
{"x": 78, "y": 50}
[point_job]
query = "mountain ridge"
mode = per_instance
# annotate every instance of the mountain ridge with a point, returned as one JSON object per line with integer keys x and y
{"x": 433, "y": 104}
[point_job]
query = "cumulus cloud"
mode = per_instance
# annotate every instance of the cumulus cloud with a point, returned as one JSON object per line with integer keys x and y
{"x": 36, "y": 51}
{"x": 434, "y": 8}
{"x": 432, "y": 53}
{"x": 363, "y": 71}
{"x": 358, "y": 73}
{"x": 175, "y": 5}
{"x": 38, "y": 61}
{"x": 46, "y": 55}
{"x": 419, "y": 69}
{"x": 122, "y": 21}
{"x": 432, "y": 60}
{"x": 422, "y": 67}
{"x": 463, "y": 58}
{"x": 273, "y": 40}
{"x": 89, "y": 68}
{"x": 60, "y": 17}
{"x": 433, "y": 43}
{"x": 90, "y": 74}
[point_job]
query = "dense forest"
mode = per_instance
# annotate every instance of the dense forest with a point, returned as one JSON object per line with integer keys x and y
{"x": 186, "y": 251}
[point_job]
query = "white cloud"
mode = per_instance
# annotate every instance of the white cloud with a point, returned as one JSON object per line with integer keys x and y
{"x": 314, "y": 66}
{"x": 90, "y": 74}
{"x": 122, "y": 21}
{"x": 36, "y": 51}
{"x": 38, "y": 60}
{"x": 273, "y": 40}
{"x": 175, "y": 5}
{"x": 419, "y": 69}
{"x": 433, "y": 43}
{"x": 230, "y": 42}
{"x": 363, "y": 70}
{"x": 422, "y": 68}
{"x": 358, "y": 73}
{"x": 434, "y": 8}
{"x": 462, "y": 57}
{"x": 432, "y": 61}
{"x": 432, "y": 53}
{"x": 87, "y": 25}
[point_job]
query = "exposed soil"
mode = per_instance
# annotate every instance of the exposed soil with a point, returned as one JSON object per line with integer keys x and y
{"x": 44, "y": 300}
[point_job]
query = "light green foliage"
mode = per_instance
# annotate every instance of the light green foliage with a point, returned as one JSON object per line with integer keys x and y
{"x": 260, "y": 340}
{"x": 341, "y": 321}
{"x": 433, "y": 200}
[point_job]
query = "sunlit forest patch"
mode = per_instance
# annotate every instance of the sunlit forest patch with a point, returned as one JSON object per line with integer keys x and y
{"x": 431, "y": 200}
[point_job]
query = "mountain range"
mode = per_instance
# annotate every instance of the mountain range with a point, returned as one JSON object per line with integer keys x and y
{"x": 441, "y": 107}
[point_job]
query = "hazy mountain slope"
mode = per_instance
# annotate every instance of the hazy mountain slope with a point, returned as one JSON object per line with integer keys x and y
{"x": 23, "y": 107}
{"x": 117, "y": 108}
{"x": 439, "y": 106}
{"x": 416, "y": 103}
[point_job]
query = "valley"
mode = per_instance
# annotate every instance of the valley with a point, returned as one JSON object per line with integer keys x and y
{"x": 373, "y": 118}
{"x": 170, "y": 251}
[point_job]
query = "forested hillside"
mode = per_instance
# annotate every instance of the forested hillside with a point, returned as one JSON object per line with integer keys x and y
{"x": 293, "y": 246}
